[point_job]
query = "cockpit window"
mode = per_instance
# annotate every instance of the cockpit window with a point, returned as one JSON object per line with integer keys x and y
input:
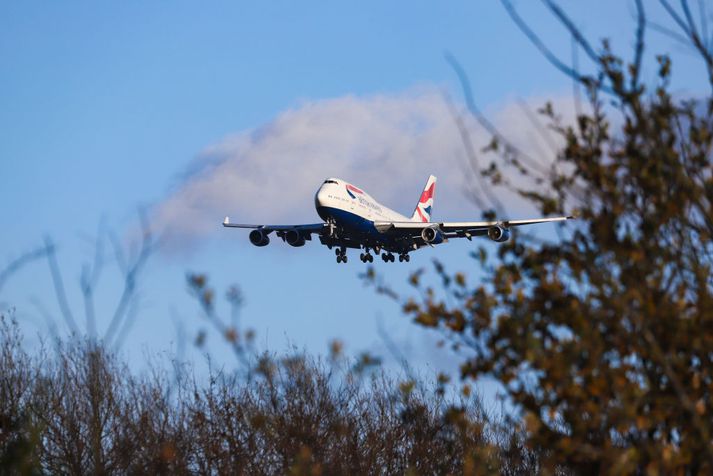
{"x": 330, "y": 181}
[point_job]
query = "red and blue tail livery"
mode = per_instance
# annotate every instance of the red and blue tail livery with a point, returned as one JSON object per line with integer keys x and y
{"x": 353, "y": 219}
{"x": 423, "y": 209}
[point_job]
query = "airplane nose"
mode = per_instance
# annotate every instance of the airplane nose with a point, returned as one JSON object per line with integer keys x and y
{"x": 320, "y": 198}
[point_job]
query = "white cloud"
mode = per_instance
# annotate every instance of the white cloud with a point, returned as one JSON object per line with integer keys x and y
{"x": 386, "y": 144}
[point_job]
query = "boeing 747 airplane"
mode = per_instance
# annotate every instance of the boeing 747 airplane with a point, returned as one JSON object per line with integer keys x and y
{"x": 352, "y": 219}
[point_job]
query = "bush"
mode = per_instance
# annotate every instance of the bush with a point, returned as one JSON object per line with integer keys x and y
{"x": 79, "y": 410}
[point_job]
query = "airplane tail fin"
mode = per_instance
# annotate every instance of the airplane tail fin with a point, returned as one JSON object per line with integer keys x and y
{"x": 422, "y": 213}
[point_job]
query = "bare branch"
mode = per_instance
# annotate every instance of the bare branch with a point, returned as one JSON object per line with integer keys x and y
{"x": 131, "y": 313}
{"x": 576, "y": 94}
{"x": 59, "y": 287}
{"x": 16, "y": 264}
{"x": 546, "y": 52}
{"x": 670, "y": 33}
{"x": 689, "y": 18}
{"x": 703, "y": 16}
{"x": 49, "y": 320}
{"x": 639, "y": 48}
{"x": 393, "y": 349}
{"x": 537, "y": 125}
{"x": 533, "y": 163}
{"x": 130, "y": 278}
{"x": 474, "y": 165}
{"x": 674, "y": 14}
{"x": 573, "y": 30}
{"x": 688, "y": 26}
{"x": 90, "y": 278}
{"x": 118, "y": 252}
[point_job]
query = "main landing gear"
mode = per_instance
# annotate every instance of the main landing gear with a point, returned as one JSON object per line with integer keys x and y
{"x": 387, "y": 257}
{"x": 390, "y": 258}
{"x": 366, "y": 257}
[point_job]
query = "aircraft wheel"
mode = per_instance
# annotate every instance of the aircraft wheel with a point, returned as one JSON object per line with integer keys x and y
{"x": 385, "y": 257}
{"x": 407, "y": 258}
{"x": 401, "y": 258}
{"x": 337, "y": 251}
{"x": 344, "y": 258}
{"x": 339, "y": 258}
{"x": 370, "y": 258}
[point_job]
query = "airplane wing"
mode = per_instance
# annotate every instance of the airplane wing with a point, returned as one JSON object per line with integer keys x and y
{"x": 309, "y": 228}
{"x": 461, "y": 228}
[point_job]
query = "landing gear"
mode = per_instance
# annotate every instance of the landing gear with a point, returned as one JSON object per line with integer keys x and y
{"x": 341, "y": 254}
{"x": 332, "y": 228}
{"x": 387, "y": 257}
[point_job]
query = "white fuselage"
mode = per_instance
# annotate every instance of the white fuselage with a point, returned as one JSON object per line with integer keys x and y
{"x": 350, "y": 207}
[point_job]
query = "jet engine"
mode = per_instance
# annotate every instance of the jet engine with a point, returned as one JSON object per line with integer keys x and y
{"x": 259, "y": 238}
{"x": 429, "y": 234}
{"x": 498, "y": 233}
{"x": 294, "y": 238}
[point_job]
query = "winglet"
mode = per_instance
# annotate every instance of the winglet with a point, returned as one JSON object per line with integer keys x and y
{"x": 226, "y": 221}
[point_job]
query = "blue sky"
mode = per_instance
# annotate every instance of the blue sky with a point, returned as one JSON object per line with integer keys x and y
{"x": 108, "y": 106}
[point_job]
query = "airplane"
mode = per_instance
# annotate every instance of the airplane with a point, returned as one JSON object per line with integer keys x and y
{"x": 353, "y": 219}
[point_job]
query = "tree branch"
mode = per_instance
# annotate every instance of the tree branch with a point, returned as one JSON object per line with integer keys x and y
{"x": 639, "y": 48}
{"x": 16, "y": 264}
{"x": 474, "y": 165}
{"x": 89, "y": 280}
{"x": 131, "y": 275}
{"x": 547, "y": 53}
{"x": 59, "y": 287}
{"x": 485, "y": 122}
